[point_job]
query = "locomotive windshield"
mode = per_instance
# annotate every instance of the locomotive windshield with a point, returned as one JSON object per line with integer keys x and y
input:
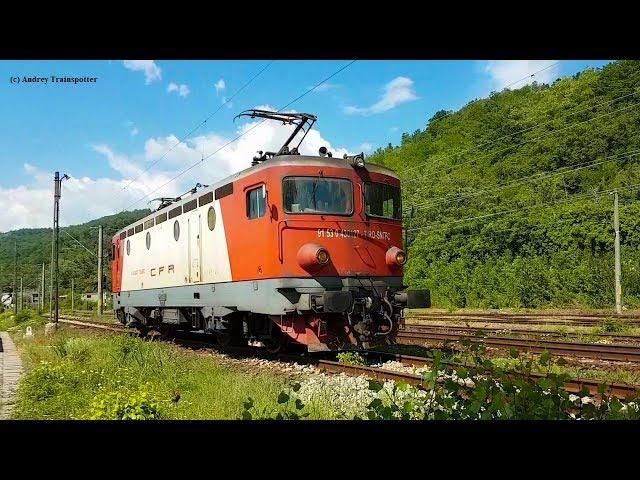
{"x": 318, "y": 195}
{"x": 382, "y": 200}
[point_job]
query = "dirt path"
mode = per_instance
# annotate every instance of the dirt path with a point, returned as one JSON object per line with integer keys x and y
{"x": 10, "y": 371}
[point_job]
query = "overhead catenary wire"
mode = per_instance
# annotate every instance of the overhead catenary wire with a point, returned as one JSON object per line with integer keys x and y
{"x": 531, "y": 75}
{"x": 204, "y": 158}
{"x": 529, "y": 178}
{"x": 503, "y": 137}
{"x": 185, "y": 136}
{"x": 553, "y": 132}
{"x": 451, "y": 112}
{"x": 520, "y": 209}
{"x": 79, "y": 243}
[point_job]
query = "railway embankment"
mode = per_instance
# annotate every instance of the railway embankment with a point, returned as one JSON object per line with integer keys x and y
{"x": 100, "y": 372}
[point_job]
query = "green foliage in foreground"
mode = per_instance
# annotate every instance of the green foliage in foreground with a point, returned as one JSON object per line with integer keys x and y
{"x": 350, "y": 358}
{"x": 522, "y": 251}
{"x": 80, "y": 375}
{"x": 479, "y": 390}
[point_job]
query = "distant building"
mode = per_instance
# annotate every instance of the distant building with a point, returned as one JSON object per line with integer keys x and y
{"x": 93, "y": 297}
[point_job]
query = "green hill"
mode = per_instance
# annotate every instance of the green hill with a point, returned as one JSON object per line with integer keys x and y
{"x": 507, "y": 200}
{"x": 34, "y": 249}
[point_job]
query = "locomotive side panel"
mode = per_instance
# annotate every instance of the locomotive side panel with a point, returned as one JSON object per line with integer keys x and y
{"x": 179, "y": 251}
{"x": 250, "y": 227}
{"x": 215, "y": 256}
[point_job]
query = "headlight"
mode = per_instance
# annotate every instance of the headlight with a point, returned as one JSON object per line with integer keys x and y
{"x": 395, "y": 257}
{"x": 313, "y": 256}
{"x": 322, "y": 256}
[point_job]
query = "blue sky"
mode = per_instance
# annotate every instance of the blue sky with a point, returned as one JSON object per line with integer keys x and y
{"x": 106, "y": 134}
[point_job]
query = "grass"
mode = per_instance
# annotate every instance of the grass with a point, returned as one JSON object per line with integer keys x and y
{"x": 25, "y": 318}
{"x": 85, "y": 375}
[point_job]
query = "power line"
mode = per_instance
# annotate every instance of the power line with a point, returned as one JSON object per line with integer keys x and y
{"x": 553, "y": 132}
{"x": 483, "y": 144}
{"x": 181, "y": 140}
{"x": 449, "y": 113}
{"x": 241, "y": 135}
{"x": 520, "y": 209}
{"x": 533, "y": 177}
{"x": 532, "y": 75}
{"x": 80, "y": 243}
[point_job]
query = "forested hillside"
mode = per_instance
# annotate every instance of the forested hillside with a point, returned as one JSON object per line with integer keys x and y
{"x": 34, "y": 249}
{"x": 508, "y": 201}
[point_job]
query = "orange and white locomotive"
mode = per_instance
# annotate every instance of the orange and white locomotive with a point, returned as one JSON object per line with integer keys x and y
{"x": 295, "y": 249}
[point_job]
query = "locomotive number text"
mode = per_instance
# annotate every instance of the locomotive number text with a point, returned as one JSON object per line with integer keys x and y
{"x": 340, "y": 233}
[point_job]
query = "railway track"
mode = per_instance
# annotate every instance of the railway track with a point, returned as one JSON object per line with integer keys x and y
{"x": 419, "y": 328}
{"x": 615, "y": 352}
{"x": 619, "y": 390}
{"x": 569, "y": 319}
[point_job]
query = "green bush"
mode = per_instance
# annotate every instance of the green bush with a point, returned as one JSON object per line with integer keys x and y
{"x": 127, "y": 405}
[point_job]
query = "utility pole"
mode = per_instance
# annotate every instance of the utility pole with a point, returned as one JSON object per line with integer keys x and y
{"x": 15, "y": 277}
{"x": 72, "y": 295}
{"x": 57, "y": 193}
{"x": 100, "y": 299}
{"x": 21, "y": 295}
{"x": 41, "y": 302}
{"x": 618, "y": 273}
{"x": 56, "y": 230}
{"x": 53, "y": 247}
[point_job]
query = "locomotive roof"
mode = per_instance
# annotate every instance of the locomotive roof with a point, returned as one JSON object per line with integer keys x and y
{"x": 279, "y": 161}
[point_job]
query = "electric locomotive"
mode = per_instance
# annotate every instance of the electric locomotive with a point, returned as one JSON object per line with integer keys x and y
{"x": 294, "y": 249}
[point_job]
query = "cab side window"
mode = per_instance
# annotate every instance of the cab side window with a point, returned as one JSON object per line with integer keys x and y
{"x": 256, "y": 202}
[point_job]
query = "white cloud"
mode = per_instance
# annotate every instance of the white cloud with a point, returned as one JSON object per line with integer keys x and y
{"x": 518, "y": 73}
{"x": 87, "y": 198}
{"x": 396, "y": 92}
{"x": 82, "y": 199}
{"x": 220, "y": 86}
{"x": 182, "y": 89}
{"x": 228, "y": 105}
{"x": 152, "y": 72}
{"x": 366, "y": 147}
{"x": 134, "y": 131}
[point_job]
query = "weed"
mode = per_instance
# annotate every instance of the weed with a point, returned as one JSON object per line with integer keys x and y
{"x": 350, "y": 358}
{"x": 613, "y": 325}
{"x": 125, "y": 405}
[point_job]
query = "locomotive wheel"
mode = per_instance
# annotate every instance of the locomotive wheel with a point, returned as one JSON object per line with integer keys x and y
{"x": 276, "y": 342}
{"x": 142, "y": 330}
{"x": 167, "y": 331}
{"x": 224, "y": 339}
